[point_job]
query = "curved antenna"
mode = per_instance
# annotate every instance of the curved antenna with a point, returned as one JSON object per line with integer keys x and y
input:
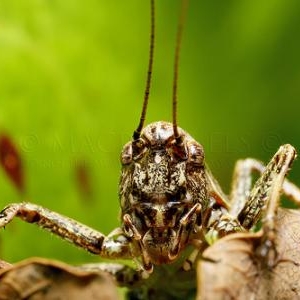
{"x": 183, "y": 10}
{"x": 137, "y": 132}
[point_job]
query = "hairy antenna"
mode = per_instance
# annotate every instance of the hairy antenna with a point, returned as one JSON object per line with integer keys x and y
{"x": 137, "y": 132}
{"x": 183, "y": 10}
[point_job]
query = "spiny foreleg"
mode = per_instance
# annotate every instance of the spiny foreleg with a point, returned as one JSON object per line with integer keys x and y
{"x": 115, "y": 245}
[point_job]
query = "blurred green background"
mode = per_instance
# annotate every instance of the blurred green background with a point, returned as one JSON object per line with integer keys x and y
{"x": 72, "y": 76}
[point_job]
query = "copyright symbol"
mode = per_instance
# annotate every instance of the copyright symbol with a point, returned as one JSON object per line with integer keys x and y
{"x": 271, "y": 142}
{"x": 28, "y": 143}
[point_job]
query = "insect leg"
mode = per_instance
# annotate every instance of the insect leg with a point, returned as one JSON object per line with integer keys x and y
{"x": 242, "y": 184}
{"x": 186, "y": 220}
{"x": 130, "y": 227}
{"x": 267, "y": 188}
{"x": 217, "y": 220}
{"x": 115, "y": 245}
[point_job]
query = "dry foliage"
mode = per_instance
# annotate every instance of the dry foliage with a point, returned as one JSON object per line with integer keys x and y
{"x": 234, "y": 270}
{"x": 43, "y": 279}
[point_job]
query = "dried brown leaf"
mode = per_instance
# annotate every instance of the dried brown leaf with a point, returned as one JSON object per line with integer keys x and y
{"x": 11, "y": 162}
{"x": 44, "y": 279}
{"x": 83, "y": 180}
{"x": 235, "y": 271}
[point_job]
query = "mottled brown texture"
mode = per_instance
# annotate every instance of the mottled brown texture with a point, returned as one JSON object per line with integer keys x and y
{"x": 233, "y": 268}
{"x": 172, "y": 209}
{"x": 43, "y": 279}
{"x": 162, "y": 184}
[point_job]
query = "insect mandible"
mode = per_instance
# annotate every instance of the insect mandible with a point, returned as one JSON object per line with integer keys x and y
{"x": 172, "y": 208}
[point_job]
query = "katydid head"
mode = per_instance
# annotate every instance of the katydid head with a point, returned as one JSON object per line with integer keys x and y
{"x": 163, "y": 178}
{"x": 157, "y": 139}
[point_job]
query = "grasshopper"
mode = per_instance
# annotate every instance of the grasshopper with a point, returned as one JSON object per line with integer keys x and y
{"x": 172, "y": 207}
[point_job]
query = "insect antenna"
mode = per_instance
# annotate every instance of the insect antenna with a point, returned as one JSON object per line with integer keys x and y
{"x": 137, "y": 132}
{"x": 183, "y": 10}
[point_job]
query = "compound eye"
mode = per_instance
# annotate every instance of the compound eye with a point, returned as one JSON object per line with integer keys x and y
{"x": 126, "y": 155}
{"x": 196, "y": 154}
{"x": 139, "y": 147}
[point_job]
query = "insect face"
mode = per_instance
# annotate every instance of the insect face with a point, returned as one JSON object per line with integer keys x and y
{"x": 169, "y": 200}
{"x": 161, "y": 182}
